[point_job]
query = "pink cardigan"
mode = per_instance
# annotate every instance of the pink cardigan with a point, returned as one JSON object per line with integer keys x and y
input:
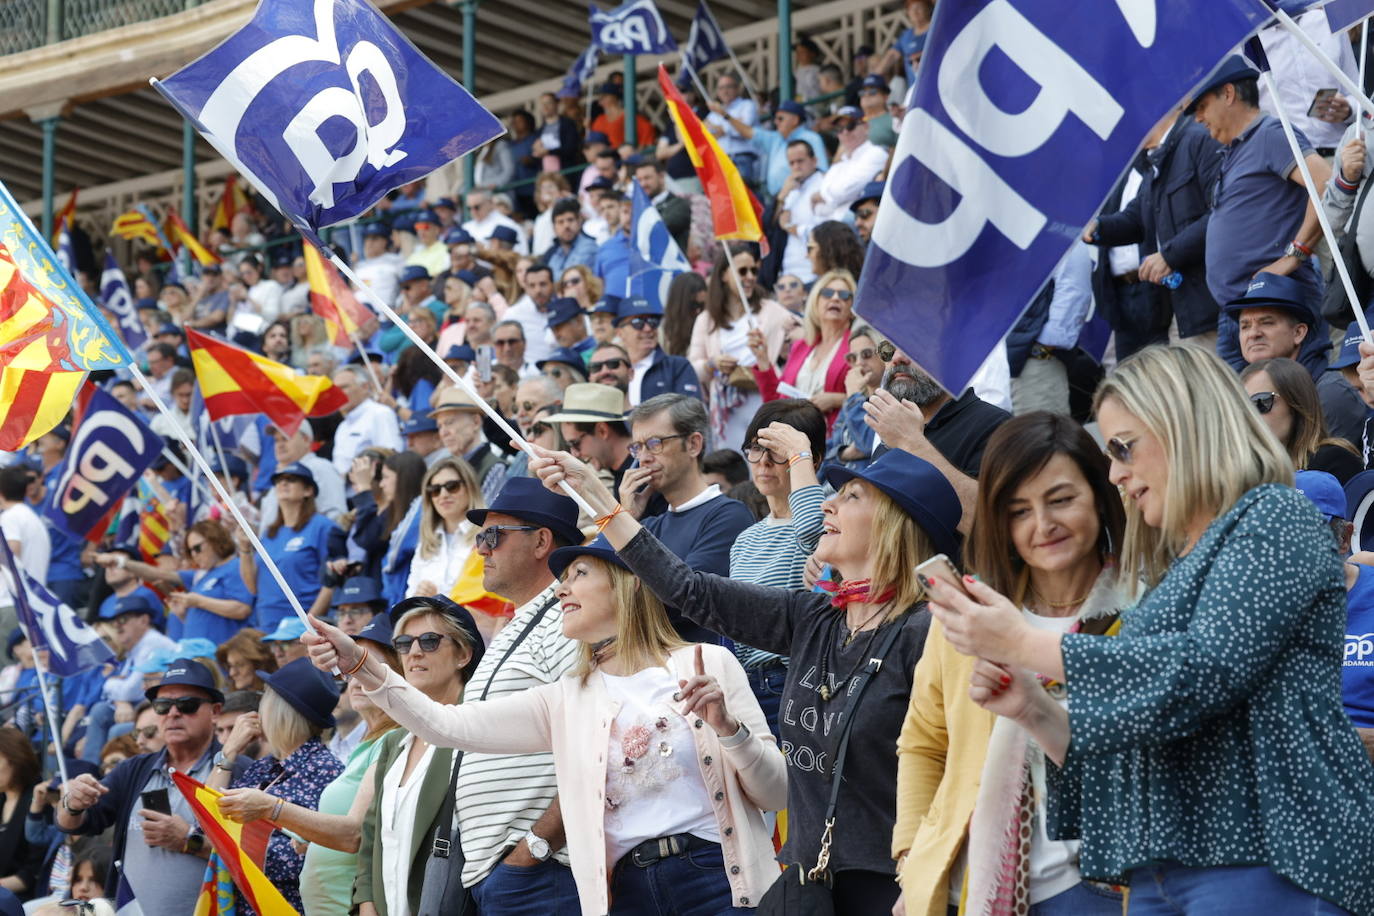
{"x": 774, "y": 320}
{"x": 574, "y": 722}
{"x": 834, "y": 373}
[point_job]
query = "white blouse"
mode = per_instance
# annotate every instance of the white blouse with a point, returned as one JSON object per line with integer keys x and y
{"x": 446, "y": 563}
{"x": 397, "y": 810}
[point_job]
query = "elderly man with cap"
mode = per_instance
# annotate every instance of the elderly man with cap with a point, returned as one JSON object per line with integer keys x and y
{"x": 421, "y": 433}
{"x": 460, "y": 431}
{"x": 858, "y": 161}
{"x": 298, "y": 448}
{"x": 865, "y": 209}
{"x": 157, "y": 850}
{"x": 430, "y": 252}
{"x": 122, "y": 581}
{"x": 133, "y": 616}
{"x": 796, "y": 212}
{"x": 380, "y": 268}
{"x": 593, "y": 424}
{"x": 653, "y": 371}
{"x": 571, "y": 246}
{"x": 365, "y": 421}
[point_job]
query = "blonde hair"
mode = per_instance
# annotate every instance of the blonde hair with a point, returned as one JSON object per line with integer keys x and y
{"x": 431, "y": 542}
{"x": 901, "y": 547}
{"x": 811, "y": 319}
{"x": 1217, "y": 446}
{"x": 644, "y": 637}
{"x": 283, "y": 727}
{"x": 444, "y": 625}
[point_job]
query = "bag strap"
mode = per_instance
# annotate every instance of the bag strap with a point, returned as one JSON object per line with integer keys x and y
{"x": 529, "y": 628}
{"x": 442, "y": 842}
{"x": 875, "y": 664}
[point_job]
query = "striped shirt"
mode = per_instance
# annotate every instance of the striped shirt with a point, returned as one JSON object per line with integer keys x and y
{"x": 500, "y": 796}
{"x": 773, "y": 552}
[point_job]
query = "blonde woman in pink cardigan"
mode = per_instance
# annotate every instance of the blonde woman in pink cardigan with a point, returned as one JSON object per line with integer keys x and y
{"x": 664, "y": 761}
{"x": 816, "y": 366}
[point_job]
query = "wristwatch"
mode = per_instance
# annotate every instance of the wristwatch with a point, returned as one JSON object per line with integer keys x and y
{"x": 195, "y": 842}
{"x": 224, "y": 763}
{"x": 538, "y": 846}
{"x": 1296, "y": 253}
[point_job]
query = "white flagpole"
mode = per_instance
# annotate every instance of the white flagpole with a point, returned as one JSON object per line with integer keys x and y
{"x": 457, "y": 379}
{"x": 1336, "y": 72}
{"x": 223, "y": 463}
{"x": 367, "y": 363}
{"x": 734, "y": 272}
{"x": 1315, "y": 195}
{"x": 696, "y": 80}
{"x": 1364, "y": 50}
{"x": 52, "y": 719}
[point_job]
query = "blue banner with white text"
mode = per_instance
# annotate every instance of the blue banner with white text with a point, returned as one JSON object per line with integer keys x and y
{"x": 632, "y": 28}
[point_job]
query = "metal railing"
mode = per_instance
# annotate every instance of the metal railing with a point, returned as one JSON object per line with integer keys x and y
{"x": 29, "y": 24}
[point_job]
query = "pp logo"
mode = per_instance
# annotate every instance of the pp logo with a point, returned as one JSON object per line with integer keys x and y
{"x": 1359, "y": 650}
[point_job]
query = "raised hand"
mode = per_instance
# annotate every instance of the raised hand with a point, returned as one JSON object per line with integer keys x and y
{"x": 703, "y": 696}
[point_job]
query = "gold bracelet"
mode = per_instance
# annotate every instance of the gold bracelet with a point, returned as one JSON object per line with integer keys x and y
{"x": 358, "y": 667}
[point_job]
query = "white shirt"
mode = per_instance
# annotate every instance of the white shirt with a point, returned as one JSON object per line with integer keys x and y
{"x": 330, "y": 501}
{"x": 482, "y": 229}
{"x": 539, "y": 342}
{"x": 732, "y": 141}
{"x": 799, "y": 209}
{"x": 265, "y": 299}
{"x": 367, "y": 424}
{"x": 447, "y": 562}
{"x": 542, "y": 239}
{"x": 845, "y": 180}
{"x": 166, "y": 424}
{"x": 398, "y": 813}
{"x": 20, "y": 524}
{"x": 1126, "y": 258}
{"x": 992, "y": 381}
{"x": 382, "y": 274}
{"x": 1298, "y": 75}
{"x": 635, "y": 393}
{"x": 296, "y": 299}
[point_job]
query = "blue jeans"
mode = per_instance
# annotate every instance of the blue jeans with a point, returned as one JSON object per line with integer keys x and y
{"x": 1083, "y": 899}
{"x": 690, "y": 884}
{"x": 767, "y": 681}
{"x": 1234, "y": 890}
{"x": 546, "y": 889}
{"x": 100, "y": 728}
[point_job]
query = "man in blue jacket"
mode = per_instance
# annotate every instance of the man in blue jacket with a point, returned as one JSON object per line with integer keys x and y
{"x": 654, "y": 372}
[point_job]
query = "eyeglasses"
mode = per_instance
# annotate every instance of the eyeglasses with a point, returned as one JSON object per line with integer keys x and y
{"x": 187, "y": 706}
{"x": 508, "y": 342}
{"x": 575, "y": 445}
{"x": 653, "y": 445}
{"x": 645, "y": 321}
{"x": 490, "y": 538}
{"x": 429, "y": 642}
{"x": 556, "y": 372}
{"x": 614, "y": 363}
{"x": 1264, "y": 400}
{"x": 787, "y": 284}
{"x": 843, "y": 295}
{"x": 194, "y": 549}
{"x": 754, "y": 454}
{"x": 866, "y": 353}
{"x": 448, "y": 486}
{"x": 574, "y": 280}
{"x": 357, "y": 612}
{"x": 1121, "y": 451}
{"x": 148, "y": 731}
{"x": 530, "y": 406}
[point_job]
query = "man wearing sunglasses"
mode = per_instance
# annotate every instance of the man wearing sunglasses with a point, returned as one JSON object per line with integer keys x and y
{"x": 610, "y": 365}
{"x": 865, "y": 209}
{"x": 856, "y": 163}
{"x": 160, "y": 854}
{"x": 653, "y": 372}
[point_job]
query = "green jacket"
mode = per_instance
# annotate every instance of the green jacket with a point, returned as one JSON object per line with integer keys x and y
{"x": 367, "y": 883}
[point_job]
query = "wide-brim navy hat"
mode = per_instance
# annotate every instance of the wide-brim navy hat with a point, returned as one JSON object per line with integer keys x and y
{"x": 920, "y": 490}
{"x": 306, "y": 689}
{"x": 438, "y": 604}
{"x": 505, "y": 234}
{"x": 1233, "y": 69}
{"x": 187, "y": 672}
{"x": 1274, "y": 291}
{"x": 527, "y": 499}
{"x": 459, "y": 236}
{"x": 298, "y": 470}
{"x": 1359, "y": 509}
{"x": 565, "y": 355}
{"x": 599, "y": 547}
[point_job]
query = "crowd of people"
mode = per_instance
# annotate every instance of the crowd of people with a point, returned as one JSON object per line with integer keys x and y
{"x": 817, "y": 628}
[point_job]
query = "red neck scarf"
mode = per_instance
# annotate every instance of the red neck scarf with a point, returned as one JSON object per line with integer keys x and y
{"x": 855, "y": 591}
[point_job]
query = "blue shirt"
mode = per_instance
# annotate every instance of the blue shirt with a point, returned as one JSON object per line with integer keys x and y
{"x": 267, "y": 462}
{"x": 581, "y": 251}
{"x": 64, "y": 562}
{"x": 224, "y": 581}
{"x": 773, "y": 147}
{"x": 1357, "y": 671}
{"x": 300, "y": 555}
{"x": 400, "y": 551}
{"x": 907, "y": 44}
{"x": 613, "y": 263}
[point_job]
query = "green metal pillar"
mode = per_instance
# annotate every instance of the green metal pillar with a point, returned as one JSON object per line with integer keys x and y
{"x": 469, "y": 81}
{"x": 188, "y": 186}
{"x": 49, "y": 126}
{"x": 785, "y": 87}
{"x": 631, "y": 134}
{"x": 53, "y": 26}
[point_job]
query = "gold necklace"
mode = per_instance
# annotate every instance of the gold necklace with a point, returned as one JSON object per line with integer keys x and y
{"x": 1059, "y": 606}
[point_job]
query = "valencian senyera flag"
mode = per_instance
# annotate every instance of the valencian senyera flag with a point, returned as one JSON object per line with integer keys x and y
{"x": 51, "y": 335}
{"x": 333, "y": 301}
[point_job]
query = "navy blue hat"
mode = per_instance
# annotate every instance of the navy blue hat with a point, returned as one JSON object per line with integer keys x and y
{"x": 565, "y": 355}
{"x": 190, "y": 673}
{"x": 283, "y": 259}
{"x": 461, "y": 351}
{"x": 600, "y": 183}
{"x": 460, "y": 615}
{"x": 920, "y": 490}
{"x": 505, "y": 234}
{"x": 445, "y": 202}
{"x": 468, "y": 276}
{"x": 599, "y": 547}
{"x": 526, "y": 498}
{"x": 427, "y": 216}
{"x": 872, "y": 191}
{"x": 792, "y": 108}
{"x": 169, "y": 328}
{"x": 237, "y": 466}
{"x": 563, "y": 308}
{"x": 459, "y": 236}
{"x": 307, "y": 689}
{"x": 296, "y": 469}
{"x": 413, "y": 273}
{"x": 609, "y": 89}
{"x": 850, "y": 112}
{"x": 596, "y": 136}
{"x": 357, "y": 590}
{"x": 16, "y": 637}
{"x": 634, "y": 306}
{"x": 131, "y": 604}
{"x": 403, "y": 222}
{"x": 1359, "y": 500}
{"x": 874, "y": 81}
{"x": 378, "y": 229}
{"x": 378, "y": 630}
{"x": 147, "y": 305}
{"x": 1274, "y": 291}
{"x": 1349, "y": 354}
{"x": 419, "y": 423}
{"x": 1233, "y": 69}
{"x": 609, "y": 303}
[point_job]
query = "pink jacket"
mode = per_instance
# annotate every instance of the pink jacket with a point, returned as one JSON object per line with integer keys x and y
{"x": 574, "y": 722}
{"x": 834, "y": 373}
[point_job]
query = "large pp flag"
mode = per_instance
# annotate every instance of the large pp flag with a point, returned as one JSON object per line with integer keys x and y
{"x": 119, "y": 302}
{"x": 111, "y": 446}
{"x": 1342, "y": 14}
{"x": 705, "y": 42}
{"x": 655, "y": 258}
{"x": 631, "y": 28}
{"x": 978, "y": 208}
{"x": 325, "y": 106}
{"x": 49, "y": 624}
{"x": 333, "y": 301}
{"x": 582, "y": 69}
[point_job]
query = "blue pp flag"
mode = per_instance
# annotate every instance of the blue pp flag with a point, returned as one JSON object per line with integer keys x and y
{"x": 49, "y": 624}
{"x": 705, "y": 42}
{"x": 119, "y": 302}
{"x": 582, "y": 69}
{"x": 978, "y": 208}
{"x": 325, "y": 106}
{"x": 655, "y": 259}
{"x": 1342, "y": 14}
{"x": 631, "y": 28}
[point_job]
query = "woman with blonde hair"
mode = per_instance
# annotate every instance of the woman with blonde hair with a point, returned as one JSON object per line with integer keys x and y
{"x": 1205, "y": 758}
{"x": 578, "y": 282}
{"x": 448, "y": 491}
{"x": 816, "y": 365}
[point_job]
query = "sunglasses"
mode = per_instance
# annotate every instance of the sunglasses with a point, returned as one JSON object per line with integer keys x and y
{"x": 490, "y": 538}
{"x": 530, "y": 406}
{"x": 429, "y": 642}
{"x": 652, "y": 445}
{"x": 187, "y": 706}
{"x": 843, "y": 295}
{"x": 1121, "y": 451}
{"x": 787, "y": 284}
{"x": 448, "y": 486}
{"x": 507, "y": 343}
{"x": 751, "y": 271}
{"x": 614, "y": 363}
{"x": 866, "y": 212}
{"x": 866, "y": 353}
{"x": 148, "y": 731}
{"x": 645, "y": 321}
{"x": 540, "y": 429}
{"x": 1264, "y": 400}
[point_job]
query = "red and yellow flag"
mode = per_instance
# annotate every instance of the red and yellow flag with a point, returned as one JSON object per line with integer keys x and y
{"x": 333, "y": 301}
{"x": 136, "y": 225}
{"x": 241, "y": 847}
{"x": 32, "y": 403}
{"x": 237, "y": 381}
{"x": 232, "y": 201}
{"x": 153, "y": 528}
{"x": 64, "y": 217}
{"x": 735, "y": 212}
{"x": 180, "y": 233}
{"x": 473, "y": 595}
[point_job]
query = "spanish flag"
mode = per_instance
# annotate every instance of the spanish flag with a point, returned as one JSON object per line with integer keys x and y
{"x": 735, "y": 212}
{"x": 64, "y": 218}
{"x": 180, "y": 232}
{"x": 232, "y": 201}
{"x": 333, "y": 301}
{"x": 237, "y": 381}
{"x": 240, "y": 847}
{"x": 138, "y": 225}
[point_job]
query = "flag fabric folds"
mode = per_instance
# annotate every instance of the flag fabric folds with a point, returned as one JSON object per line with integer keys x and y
{"x": 154, "y": 530}
{"x": 635, "y": 27}
{"x": 735, "y": 212}
{"x": 138, "y": 225}
{"x": 655, "y": 259}
{"x": 181, "y": 233}
{"x": 705, "y": 41}
{"x": 582, "y": 69}
{"x": 49, "y": 624}
{"x": 333, "y": 301}
{"x": 234, "y": 381}
{"x": 118, "y": 300}
{"x": 232, "y": 201}
{"x": 977, "y": 211}
{"x": 324, "y": 106}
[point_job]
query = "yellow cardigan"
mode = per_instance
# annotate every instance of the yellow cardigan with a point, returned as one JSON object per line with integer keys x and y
{"x": 936, "y": 792}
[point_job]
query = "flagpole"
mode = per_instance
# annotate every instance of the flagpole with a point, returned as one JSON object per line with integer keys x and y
{"x": 696, "y": 79}
{"x": 219, "y": 450}
{"x": 1332, "y": 67}
{"x": 52, "y": 718}
{"x": 744, "y": 77}
{"x": 462, "y": 383}
{"x": 734, "y": 272}
{"x": 1364, "y": 49}
{"x": 1315, "y": 195}
{"x": 175, "y": 462}
{"x": 371, "y": 373}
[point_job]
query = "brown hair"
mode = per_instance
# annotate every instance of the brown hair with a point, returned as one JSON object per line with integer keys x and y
{"x": 720, "y": 285}
{"x": 247, "y": 643}
{"x": 1293, "y": 383}
{"x": 307, "y": 513}
{"x": 216, "y": 535}
{"x": 15, "y": 747}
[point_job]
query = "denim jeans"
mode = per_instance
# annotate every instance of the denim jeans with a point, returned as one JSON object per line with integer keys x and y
{"x": 100, "y": 728}
{"x": 546, "y": 889}
{"x": 690, "y": 884}
{"x": 767, "y": 681}
{"x": 1083, "y": 899}
{"x": 1235, "y": 890}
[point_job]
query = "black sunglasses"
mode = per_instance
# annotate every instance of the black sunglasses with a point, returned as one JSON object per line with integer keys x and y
{"x": 1120, "y": 451}
{"x": 194, "y": 549}
{"x": 865, "y": 353}
{"x": 429, "y": 642}
{"x": 843, "y": 295}
{"x": 187, "y": 706}
{"x": 1264, "y": 400}
{"x": 614, "y": 363}
{"x": 640, "y": 322}
{"x": 448, "y": 486}
{"x": 490, "y": 538}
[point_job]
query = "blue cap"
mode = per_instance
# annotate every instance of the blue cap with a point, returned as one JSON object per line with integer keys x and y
{"x": 357, "y": 590}
{"x": 608, "y": 304}
{"x": 1233, "y": 69}
{"x": 598, "y": 547}
{"x": 505, "y": 234}
{"x": 792, "y": 108}
{"x": 850, "y": 112}
{"x": 872, "y": 191}
{"x": 289, "y": 629}
{"x": 874, "y": 81}
{"x": 283, "y": 259}
{"x": 298, "y": 470}
{"x": 609, "y": 88}
{"x": 146, "y": 304}
{"x": 414, "y": 272}
{"x": 917, "y": 488}
{"x": 427, "y": 216}
{"x": 132, "y": 604}
{"x": 1274, "y": 291}
{"x": 600, "y": 183}
{"x": 528, "y": 499}
{"x": 459, "y": 236}
{"x": 445, "y": 202}
{"x": 635, "y": 306}
{"x": 237, "y": 466}
{"x": 306, "y": 689}
{"x": 563, "y": 308}
{"x": 378, "y": 630}
{"x": 438, "y": 604}
{"x": 1349, "y": 354}
{"x": 1324, "y": 490}
{"x": 196, "y": 647}
{"x": 419, "y": 423}
{"x": 378, "y": 229}
{"x": 403, "y": 222}
{"x": 161, "y": 659}
{"x": 169, "y": 328}
{"x": 468, "y": 276}
{"x": 596, "y": 136}
{"x": 567, "y": 356}
{"x": 461, "y": 351}
{"x": 188, "y": 672}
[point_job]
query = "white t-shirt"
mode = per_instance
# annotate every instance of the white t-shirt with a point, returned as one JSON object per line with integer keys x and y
{"x": 635, "y": 394}
{"x": 398, "y": 814}
{"x": 653, "y": 781}
{"x": 22, "y": 525}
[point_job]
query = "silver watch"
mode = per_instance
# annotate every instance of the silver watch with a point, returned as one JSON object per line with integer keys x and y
{"x": 538, "y": 846}
{"x": 1292, "y": 252}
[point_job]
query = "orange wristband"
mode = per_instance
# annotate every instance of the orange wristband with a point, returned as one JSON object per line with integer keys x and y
{"x": 605, "y": 520}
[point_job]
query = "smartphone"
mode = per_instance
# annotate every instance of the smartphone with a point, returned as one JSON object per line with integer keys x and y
{"x": 942, "y": 568}
{"x": 157, "y": 800}
{"x": 484, "y": 354}
{"x": 1320, "y": 101}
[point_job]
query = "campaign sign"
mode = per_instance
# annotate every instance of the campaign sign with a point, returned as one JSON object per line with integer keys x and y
{"x": 633, "y": 28}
